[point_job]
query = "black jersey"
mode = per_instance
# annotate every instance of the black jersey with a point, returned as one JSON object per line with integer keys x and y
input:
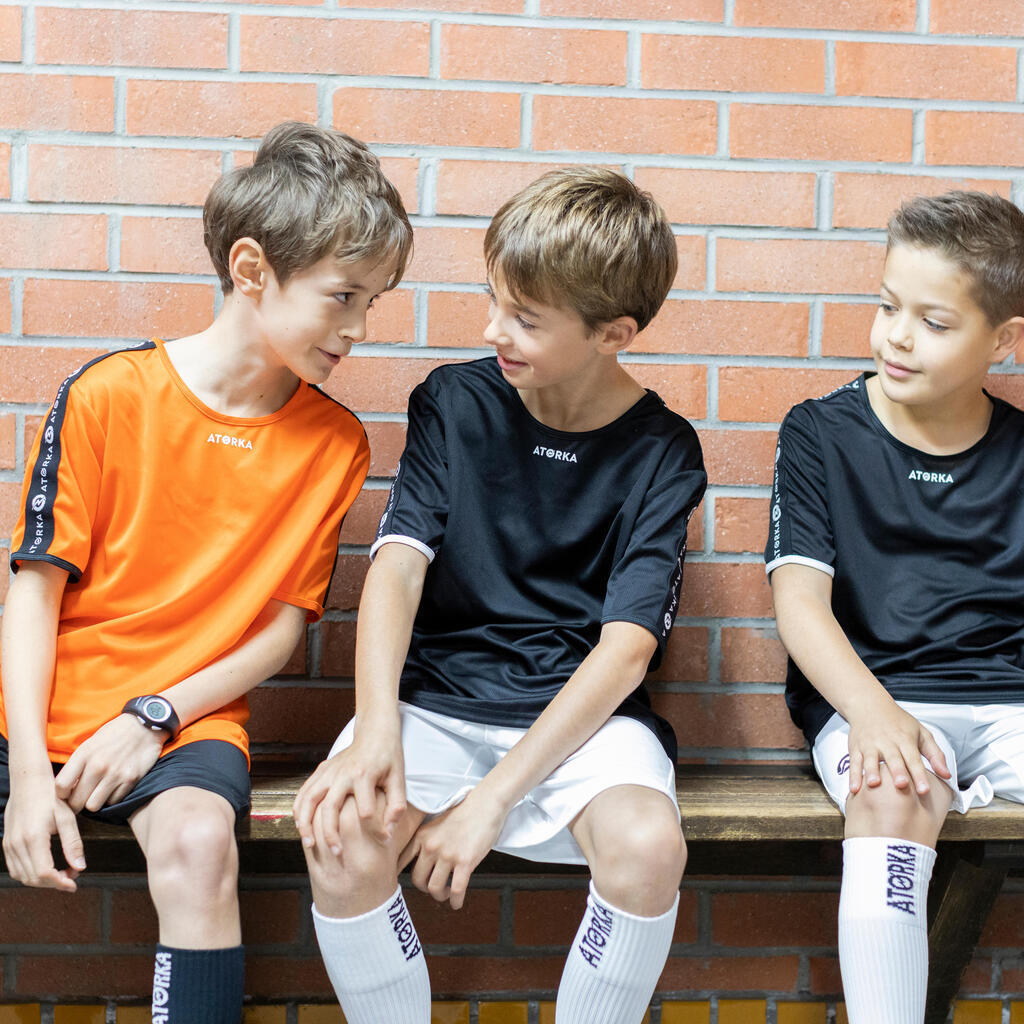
{"x": 536, "y": 538}
{"x": 926, "y": 551}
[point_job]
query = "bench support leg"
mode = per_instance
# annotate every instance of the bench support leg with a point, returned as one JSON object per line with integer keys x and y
{"x": 964, "y": 888}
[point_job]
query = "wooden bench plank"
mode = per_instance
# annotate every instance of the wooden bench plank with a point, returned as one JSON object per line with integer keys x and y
{"x": 718, "y": 804}
{"x": 789, "y": 803}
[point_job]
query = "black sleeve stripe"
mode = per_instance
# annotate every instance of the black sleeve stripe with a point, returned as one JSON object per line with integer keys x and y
{"x": 42, "y": 490}
{"x": 341, "y": 405}
{"x": 334, "y": 564}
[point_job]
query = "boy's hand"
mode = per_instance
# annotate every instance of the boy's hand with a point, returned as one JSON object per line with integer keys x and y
{"x": 34, "y": 813}
{"x": 891, "y": 736}
{"x": 105, "y": 768}
{"x": 374, "y": 762}
{"x": 452, "y": 845}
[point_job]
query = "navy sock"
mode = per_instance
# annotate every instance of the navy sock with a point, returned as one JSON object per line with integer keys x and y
{"x": 198, "y": 986}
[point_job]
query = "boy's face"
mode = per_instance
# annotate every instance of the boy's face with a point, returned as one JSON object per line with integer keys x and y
{"x": 931, "y": 343}
{"x": 537, "y": 345}
{"x": 313, "y": 319}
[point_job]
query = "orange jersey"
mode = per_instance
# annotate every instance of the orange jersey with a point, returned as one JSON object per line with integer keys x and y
{"x": 177, "y": 526}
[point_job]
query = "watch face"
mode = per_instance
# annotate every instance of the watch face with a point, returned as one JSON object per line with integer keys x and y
{"x": 157, "y": 709}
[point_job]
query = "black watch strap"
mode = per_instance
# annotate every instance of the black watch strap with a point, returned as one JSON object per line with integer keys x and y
{"x": 154, "y": 712}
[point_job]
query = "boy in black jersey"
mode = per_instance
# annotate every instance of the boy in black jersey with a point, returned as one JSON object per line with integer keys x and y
{"x": 526, "y": 574}
{"x": 896, "y": 554}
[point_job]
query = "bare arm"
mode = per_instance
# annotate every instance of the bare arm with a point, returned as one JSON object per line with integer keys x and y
{"x": 34, "y": 811}
{"x": 29, "y": 655}
{"x": 264, "y": 650}
{"x": 610, "y": 673}
{"x": 374, "y": 761}
{"x": 453, "y": 844}
{"x": 879, "y": 729}
{"x": 107, "y": 765}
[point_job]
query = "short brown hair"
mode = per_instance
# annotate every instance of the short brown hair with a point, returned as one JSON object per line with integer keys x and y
{"x": 310, "y": 191}
{"x": 983, "y": 234}
{"x": 586, "y": 238}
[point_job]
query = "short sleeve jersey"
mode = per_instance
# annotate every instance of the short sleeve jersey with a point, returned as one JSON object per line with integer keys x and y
{"x": 926, "y": 551}
{"x": 536, "y": 538}
{"x": 177, "y": 525}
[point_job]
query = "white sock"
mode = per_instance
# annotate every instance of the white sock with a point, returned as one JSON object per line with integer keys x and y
{"x": 613, "y": 965}
{"x": 883, "y": 929}
{"x": 376, "y": 965}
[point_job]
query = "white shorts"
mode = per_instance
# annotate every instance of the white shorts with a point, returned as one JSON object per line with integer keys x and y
{"x": 446, "y": 757}
{"x": 983, "y": 744}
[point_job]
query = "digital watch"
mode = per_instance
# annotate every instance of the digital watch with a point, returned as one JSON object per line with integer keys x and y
{"x": 155, "y": 713}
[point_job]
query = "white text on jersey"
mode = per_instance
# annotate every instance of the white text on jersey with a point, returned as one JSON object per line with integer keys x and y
{"x": 234, "y": 442}
{"x": 932, "y": 478}
{"x": 554, "y": 453}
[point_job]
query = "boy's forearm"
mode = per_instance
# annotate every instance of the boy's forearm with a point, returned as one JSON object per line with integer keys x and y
{"x": 264, "y": 650}
{"x": 29, "y": 648}
{"x": 814, "y": 640}
{"x": 387, "y": 611}
{"x": 612, "y": 671}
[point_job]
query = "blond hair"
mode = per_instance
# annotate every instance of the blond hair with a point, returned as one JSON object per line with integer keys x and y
{"x": 586, "y": 238}
{"x": 310, "y": 191}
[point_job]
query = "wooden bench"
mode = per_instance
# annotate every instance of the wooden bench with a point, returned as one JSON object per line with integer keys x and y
{"x": 738, "y": 820}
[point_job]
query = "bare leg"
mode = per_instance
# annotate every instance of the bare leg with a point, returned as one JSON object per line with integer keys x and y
{"x": 188, "y": 837}
{"x": 631, "y": 838}
{"x": 367, "y": 939}
{"x": 887, "y": 863}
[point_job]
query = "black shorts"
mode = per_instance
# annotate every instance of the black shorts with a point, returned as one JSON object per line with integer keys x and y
{"x": 213, "y": 765}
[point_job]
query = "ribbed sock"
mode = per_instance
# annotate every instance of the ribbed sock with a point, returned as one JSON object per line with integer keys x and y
{"x": 376, "y": 964}
{"x": 198, "y": 986}
{"x": 883, "y": 929}
{"x": 613, "y": 965}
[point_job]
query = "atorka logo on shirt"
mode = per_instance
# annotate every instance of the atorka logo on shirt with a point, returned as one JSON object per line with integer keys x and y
{"x": 555, "y": 453}
{"x": 233, "y": 442}
{"x": 931, "y": 478}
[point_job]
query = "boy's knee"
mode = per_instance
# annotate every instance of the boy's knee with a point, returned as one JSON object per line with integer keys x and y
{"x": 900, "y": 813}
{"x": 364, "y": 857}
{"x": 196, "y": 858}
{"x": 653, "y": 850}
{"x": 360, "y": 846}
{"x": 639, "y": 868}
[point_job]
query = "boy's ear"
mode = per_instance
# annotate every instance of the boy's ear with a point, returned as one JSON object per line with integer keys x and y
{"x": 1010, "y": 335}
{"x": 618, "y": 334}
{"x": 248, "y": 267}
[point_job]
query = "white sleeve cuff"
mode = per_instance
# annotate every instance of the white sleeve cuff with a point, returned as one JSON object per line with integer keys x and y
{"x": 397, "y": 538}
{"x": 812, "y": 563}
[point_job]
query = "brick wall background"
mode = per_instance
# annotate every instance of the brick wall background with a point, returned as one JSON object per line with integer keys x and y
{"x": 778, "y": 134}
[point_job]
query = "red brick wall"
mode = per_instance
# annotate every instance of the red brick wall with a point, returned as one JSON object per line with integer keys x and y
{"x": 778, "y": 134}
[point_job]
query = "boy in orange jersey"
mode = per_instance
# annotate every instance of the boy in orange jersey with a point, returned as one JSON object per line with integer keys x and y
{"x": 179, "y": 527}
